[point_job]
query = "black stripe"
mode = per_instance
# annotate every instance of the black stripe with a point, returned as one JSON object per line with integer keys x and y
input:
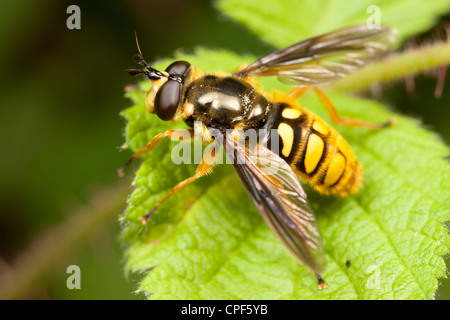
{"x": 273, "y": 121}
{"x": 307, "y": 127}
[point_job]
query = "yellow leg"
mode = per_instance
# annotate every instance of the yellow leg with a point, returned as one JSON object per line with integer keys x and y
{"x": 297, "y": 92}
{"x": 347, "y": 121}
{"x": 176, "y": 134}
{"x": 204, "y": 168}
{"x": 132, "y": 87}
{"x": 321, "y": 283}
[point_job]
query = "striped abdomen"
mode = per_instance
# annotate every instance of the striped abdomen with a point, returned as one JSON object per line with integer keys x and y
{"x": 316, "y": 151}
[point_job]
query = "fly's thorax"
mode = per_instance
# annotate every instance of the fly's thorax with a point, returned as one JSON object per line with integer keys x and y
{"x": 224, "y": 102}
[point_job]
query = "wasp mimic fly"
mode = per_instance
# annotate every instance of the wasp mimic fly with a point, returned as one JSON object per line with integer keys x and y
{"x": 307, "y": 149}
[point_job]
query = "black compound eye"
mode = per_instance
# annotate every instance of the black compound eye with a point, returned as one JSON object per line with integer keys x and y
{"x": 168, "y": 99}
{"x": 179, "y": 68}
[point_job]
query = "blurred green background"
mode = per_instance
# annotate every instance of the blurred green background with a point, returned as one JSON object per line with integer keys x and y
{"x": 60, "y": 97}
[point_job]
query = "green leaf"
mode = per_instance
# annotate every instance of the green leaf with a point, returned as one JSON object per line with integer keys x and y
{"x": 209, "y": 241}
{"x": 282, "y": 23}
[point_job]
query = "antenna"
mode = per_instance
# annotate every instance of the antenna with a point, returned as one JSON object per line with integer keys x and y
{"x": 152, "y": 73}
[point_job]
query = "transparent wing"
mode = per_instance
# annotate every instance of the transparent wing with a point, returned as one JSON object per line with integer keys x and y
{"x": 278, "y": 195}
{"x": 326, "y": 58}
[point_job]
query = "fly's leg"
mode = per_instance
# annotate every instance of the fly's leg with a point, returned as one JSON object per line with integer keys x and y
{"x": 321, "y": 283}
{"x": 297, "y": 92}
{"x": 329, "y": 106}
{"x": 132, "y": 87}
{"x": 179, "y": 134}
{"x": 204, "y": 168}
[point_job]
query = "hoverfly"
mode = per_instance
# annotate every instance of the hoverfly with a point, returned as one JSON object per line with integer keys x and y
{"x": 309, "y": 148}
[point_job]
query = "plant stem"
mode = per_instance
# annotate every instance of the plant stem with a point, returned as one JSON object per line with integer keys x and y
{"x": 397, "y": 66}
{"x": 36, "y": 262}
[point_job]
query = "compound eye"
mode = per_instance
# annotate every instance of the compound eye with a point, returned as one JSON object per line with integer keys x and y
{"x": 167, "y": 100}
{"x": 178, "y": 67}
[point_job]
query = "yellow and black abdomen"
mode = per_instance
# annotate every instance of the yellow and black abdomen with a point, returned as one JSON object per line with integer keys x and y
{"x": 315, "y": 150}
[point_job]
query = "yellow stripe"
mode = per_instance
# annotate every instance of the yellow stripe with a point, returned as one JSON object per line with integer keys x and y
{"x": 337, "y": 166}
{"x": 320, "y": 127}
{"x": 290, "y": 113}
{"x": 287, "y": 135}
{"x": 314, "y": 152}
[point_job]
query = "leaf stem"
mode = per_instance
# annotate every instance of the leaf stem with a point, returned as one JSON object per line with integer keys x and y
{"x": 397, "y": 66}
